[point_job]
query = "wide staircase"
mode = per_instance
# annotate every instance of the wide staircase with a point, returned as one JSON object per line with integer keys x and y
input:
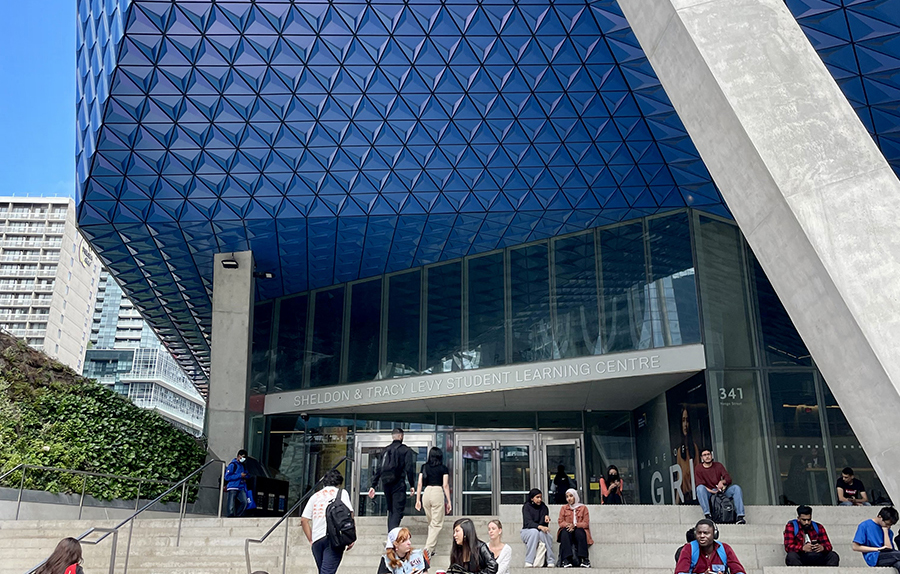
{"x": 627, "y": 540}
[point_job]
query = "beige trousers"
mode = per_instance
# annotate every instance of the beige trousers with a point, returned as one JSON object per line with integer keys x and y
{"x": 433, "y": 505}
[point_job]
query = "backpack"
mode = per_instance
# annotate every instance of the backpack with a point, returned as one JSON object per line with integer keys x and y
{"x": 695, "y": 555}
{"x": 393, "y": 464}
{"x": 721, "y": 509}
{"x": 339, "y": 526}
{"x": 797, "y": 527}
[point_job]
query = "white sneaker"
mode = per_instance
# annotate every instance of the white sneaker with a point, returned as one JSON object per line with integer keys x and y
{"x": 529, "y": 565}
{"x": 551, "y": 565}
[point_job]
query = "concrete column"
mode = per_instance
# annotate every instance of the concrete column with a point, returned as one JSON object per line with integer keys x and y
{"x": 232, "y": 336}
{"x": 812, "y": 193}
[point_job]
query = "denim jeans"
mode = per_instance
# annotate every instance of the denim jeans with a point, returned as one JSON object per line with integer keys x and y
{"x": 733, "y": 492}
{"x": 327, "y": 558}
{"x": 236, "y": 503}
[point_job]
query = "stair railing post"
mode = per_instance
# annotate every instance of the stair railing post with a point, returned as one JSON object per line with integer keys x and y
{"x": 112, "y": 554}
{"x": 287, "y": 530}
{"x": 181, "y": 513}
{"x": 221, "y": 489}
{"x": 21, "y": 488}
{"x": 127, "y": 548}
{"x": 137, "y": 500}
{"x": 81, "y": 501}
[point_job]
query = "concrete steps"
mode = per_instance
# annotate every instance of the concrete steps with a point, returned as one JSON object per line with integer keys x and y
{"x": 628, "y": 540}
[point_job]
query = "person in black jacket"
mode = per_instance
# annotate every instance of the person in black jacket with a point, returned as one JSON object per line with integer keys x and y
{"x": 536, "y": 529}
{"x": 468, "y": 552}
{"x": 397, "y": 468}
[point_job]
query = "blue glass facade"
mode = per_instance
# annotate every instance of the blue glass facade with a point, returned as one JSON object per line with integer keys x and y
{"x": 394, "y": 135}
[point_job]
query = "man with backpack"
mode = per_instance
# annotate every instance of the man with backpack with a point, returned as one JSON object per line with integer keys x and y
{"x": 706, "y": 554}
{"x": 713, "y": 480}
{"x": 237, "y": 499}
{"x": 322, "y": 507}
{"x": 806, "y": 542}
{"x": 397, "y": 468}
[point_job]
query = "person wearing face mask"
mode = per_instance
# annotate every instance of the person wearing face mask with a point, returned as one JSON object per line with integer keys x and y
{"x": 611, "y": 487}
{"x": 399, "y": 556}
{"x": 236, "y": 485}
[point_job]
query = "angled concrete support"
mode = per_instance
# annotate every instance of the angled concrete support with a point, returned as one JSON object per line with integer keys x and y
{"x": 812, "y": 193}
{"x": 232, "y": 334}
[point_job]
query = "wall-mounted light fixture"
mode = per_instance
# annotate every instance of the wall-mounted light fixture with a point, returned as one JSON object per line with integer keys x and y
{"x": 230, "y": 263}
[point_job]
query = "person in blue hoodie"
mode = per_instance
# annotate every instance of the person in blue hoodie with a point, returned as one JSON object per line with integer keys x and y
{"x": 236, "y": 485}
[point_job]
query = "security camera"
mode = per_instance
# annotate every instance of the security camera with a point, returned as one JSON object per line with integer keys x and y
{"x": 304, "y": 416}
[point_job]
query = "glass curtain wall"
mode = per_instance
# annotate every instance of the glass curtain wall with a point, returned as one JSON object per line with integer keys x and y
{"x": 605, "y": 290}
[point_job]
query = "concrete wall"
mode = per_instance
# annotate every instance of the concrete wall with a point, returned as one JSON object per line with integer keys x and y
{"x": 40, "y": 505}
{"x": 811, "y": 191}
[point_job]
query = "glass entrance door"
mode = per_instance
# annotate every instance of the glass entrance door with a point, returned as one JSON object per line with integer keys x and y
{"x": 368, "y": 450}
{"x": 492, "y": 469}
{"x": 561, "y": 451}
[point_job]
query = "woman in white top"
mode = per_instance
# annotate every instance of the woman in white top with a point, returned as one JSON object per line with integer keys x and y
{"x": 502, "y": 552}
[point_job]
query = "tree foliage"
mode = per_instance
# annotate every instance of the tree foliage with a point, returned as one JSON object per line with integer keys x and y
{"x": 51, "y": 416}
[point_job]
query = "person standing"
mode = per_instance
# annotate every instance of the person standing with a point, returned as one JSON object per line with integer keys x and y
{"x": 397, "y": 462}
{"x": 536, "y": 529}
{"x": 236, "y": 485}
{"x": 561, "y": 483}
{"x": 850, "y": 490}
{"x": 806, "y": 542}
{"x": 502, "y": 552}
{"x": 315, "y": 524}
{"x": 876, "y": 541}
{"x": 435, "y": 479}
{"x": 706, "y": 554}
{"x": 711, "y": 477}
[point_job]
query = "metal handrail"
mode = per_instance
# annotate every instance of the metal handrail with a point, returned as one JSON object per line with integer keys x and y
{"x": 287, "y": 514}
{"x": 25, "y": 467}
{"x": 130, "y": 520}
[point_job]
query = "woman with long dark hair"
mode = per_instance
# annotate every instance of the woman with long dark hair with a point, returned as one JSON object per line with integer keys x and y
{"x": 687, "y": 456}
{"x": 66, "y": 559}
{"x": 611, "y": 487}
{"x": 435, "y": 478}
{"x": 469, "y": 554}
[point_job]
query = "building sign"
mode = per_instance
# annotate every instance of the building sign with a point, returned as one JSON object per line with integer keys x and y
{"x": 85, "y": 255}
{"x": 510, "y": 377}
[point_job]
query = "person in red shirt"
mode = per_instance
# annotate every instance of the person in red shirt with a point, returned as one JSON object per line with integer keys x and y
{"x": 706, "y": 554}
{"x": 711, "y": 477}
{"x": 806, "y": 542}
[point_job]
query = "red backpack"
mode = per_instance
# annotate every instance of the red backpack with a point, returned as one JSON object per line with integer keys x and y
{"x": 73, "y": 569}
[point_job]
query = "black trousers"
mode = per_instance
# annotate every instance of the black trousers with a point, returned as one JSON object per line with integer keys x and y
{"x": 573, "y": 545}
{"x": 889, "y": 558}
{"x": 327, "y": 558}
{"x": 830, "y": 558}
{"x": 395, "y": 497}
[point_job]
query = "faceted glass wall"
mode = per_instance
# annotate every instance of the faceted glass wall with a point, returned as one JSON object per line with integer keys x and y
{"x": 605, "y": 290}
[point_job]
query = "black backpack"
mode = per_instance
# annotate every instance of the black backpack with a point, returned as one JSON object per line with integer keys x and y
{"x": 721, "y": 509}
{"x": 393, "y": 464}
{"x": 339, "y": 526}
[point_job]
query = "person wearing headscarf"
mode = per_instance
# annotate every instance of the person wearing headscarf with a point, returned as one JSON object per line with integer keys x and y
{"x": 536, "y": 529}
{"x": 574, "y": 534}
{"x": 400, "y": 557}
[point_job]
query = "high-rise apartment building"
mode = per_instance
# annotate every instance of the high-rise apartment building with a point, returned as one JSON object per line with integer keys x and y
{"x": 48, "y": 277}
{"x": 127, "y": 356}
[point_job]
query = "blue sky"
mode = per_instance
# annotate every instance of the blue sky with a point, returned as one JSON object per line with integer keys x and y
{"x": 37, "y": 98}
